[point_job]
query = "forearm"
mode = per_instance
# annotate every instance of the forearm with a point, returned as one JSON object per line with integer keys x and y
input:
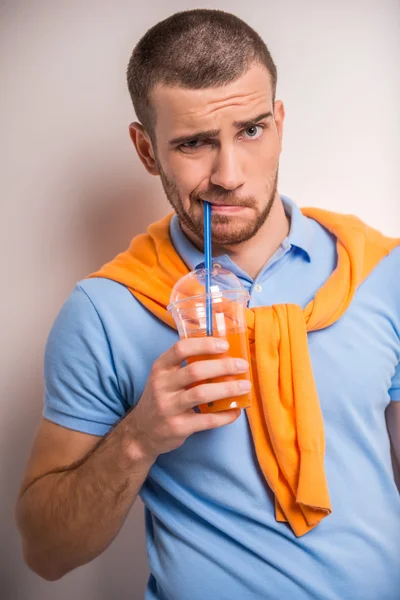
{"x": 396, "y": 467}
{"x": 68, "y": 518}
{"x": 393, "y": 427}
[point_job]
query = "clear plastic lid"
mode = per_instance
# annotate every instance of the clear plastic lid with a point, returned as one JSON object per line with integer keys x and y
{"x": 192, "y": 285}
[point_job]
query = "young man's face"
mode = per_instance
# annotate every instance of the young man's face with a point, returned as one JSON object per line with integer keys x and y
{"x": 234, "y": 165}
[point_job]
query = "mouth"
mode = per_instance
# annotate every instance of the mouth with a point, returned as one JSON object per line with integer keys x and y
{"x": 226, "y": 208}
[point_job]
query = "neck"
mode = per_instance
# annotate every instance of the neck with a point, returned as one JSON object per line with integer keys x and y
{"x": 251, "y": 256}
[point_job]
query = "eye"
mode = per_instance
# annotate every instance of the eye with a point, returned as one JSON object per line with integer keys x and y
{"x": 192, "y": 145}
{"x": 255, "y": 131}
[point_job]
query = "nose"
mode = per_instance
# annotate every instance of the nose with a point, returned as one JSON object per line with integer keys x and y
{"x": 227, "y": 172}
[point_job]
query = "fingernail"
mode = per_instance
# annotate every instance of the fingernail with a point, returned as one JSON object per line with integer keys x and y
{"x": 221, "y": 345}
{"x": 245, "y": 385}
{"x": 241, "y": 364}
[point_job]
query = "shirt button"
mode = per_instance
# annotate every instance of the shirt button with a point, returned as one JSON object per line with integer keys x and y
{"x": 258, "y": 288}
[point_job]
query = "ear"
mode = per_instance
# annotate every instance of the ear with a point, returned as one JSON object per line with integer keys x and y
{"x": 144, "y": 147}
{"x": 279, "y": 116}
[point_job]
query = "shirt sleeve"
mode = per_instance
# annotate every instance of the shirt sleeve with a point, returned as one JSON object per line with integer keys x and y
{"x": 394, "y": 391}
{"x": 81, "y": 386}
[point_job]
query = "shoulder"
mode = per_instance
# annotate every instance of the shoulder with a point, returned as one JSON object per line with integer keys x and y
{"x": 105, "y": 294}
{"x": 79, "y": 329}
{"x": 387, "y": 272}
{"x": 393, "y": 258}
{"x": 101, "y": 321}
{"x": 82, "y": 388}
{"x": 99, "y": 317}
{"x": 116, "y": 308}
{"x": 99, "y": 313}
{"x": 103, "y": 315}
{"x": 92, "y": 305}
{"x": 99, "y": 352}
{"x": 381, "y": 289}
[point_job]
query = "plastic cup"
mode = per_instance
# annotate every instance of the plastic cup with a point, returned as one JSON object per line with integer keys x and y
{"x": 228, "y": 301}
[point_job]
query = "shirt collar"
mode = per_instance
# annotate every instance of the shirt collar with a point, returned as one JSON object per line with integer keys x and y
{"x": 301, "y": 235}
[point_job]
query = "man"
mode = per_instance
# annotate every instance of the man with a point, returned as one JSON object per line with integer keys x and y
{"x": 119, "y": 416}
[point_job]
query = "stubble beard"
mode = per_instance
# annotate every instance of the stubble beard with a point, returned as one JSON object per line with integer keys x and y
{"x": 241, "y": 230}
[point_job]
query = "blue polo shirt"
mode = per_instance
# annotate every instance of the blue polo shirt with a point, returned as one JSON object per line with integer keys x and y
{"x": 210, "y": 524}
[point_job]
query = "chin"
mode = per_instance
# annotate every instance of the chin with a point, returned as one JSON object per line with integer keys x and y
{"x": 230, "y": 238}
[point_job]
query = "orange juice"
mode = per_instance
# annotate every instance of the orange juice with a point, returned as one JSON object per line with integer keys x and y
{"x": 238, "y": 348}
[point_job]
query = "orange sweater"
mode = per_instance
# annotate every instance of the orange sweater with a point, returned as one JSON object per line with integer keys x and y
{"x": 285, "y": 417}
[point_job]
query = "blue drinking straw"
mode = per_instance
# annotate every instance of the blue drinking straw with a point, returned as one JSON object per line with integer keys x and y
{"x": 207, "y": 253}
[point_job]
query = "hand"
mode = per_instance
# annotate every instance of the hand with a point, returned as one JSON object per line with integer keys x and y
{"x": 164, "y": 416}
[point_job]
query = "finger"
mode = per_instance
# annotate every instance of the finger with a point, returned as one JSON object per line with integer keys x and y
{"x": 211, "y": 392}
{"x": 207, "y": 369}
{"x": 202, "y": 422}
{"x": 185, "y": 349}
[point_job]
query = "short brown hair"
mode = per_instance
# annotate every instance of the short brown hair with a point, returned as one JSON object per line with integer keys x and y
{"x": 194, "y": 49}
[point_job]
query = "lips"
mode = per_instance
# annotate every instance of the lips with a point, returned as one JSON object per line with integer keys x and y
{"x": 226, "y": 208}
{"x": 223, "y": 205}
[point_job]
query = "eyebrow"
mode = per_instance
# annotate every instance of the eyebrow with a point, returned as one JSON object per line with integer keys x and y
{"x": 202, "y": 135}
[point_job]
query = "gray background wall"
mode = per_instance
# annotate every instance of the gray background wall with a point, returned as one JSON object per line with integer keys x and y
{"x": 73, "y": 192}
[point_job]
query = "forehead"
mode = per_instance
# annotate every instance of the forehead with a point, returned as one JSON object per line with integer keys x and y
{"x": 179, "y": 109}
